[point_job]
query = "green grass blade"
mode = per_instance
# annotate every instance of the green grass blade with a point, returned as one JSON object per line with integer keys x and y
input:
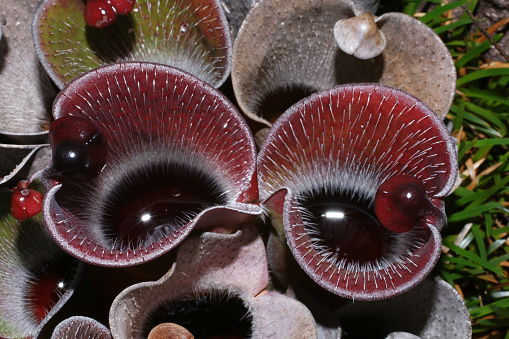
{"x": 452, "y": 25}
{"x": 485, "y": 114}
{"x": 439, "y": 10}
{"x": 484, "y": 73}
{"x": 465, "y": 147}
{"x": 473, "y": 212}
{"x": 488, "y": 222}
{"x": 478, "y": 198}
{"x": 481, "y": 247}
{"x": 500, "y": 230}
{"x": 485, "y": 95}
{"x": 476, "y": 51}
{"x": 462, "y": 261}
{"x": 498, "y": 260}
{"x": 496, "y": 322}
{"x": 459, "y": 114}
{"x": 491, "y": 142}
{"x": 466, "y": 254}
{"x": 488, "y": 309}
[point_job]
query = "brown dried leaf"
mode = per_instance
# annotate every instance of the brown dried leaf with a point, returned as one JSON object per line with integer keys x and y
{"x": 488, "y": 277}
{"x": 470, "y": 171}
{"x": 490, "y": 169}
{"x": 494, "y": 64}
{"x": 458, "y": 288}
{"x": 492, "y": 29}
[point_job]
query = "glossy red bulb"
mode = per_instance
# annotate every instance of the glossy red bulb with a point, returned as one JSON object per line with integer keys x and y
{"x": 122, "y": 7}
{"x": 79, "y": 149}
{"x": 25, "y": 202}
{"x": 400, "y": 202}
{"x": 99, "y": 13}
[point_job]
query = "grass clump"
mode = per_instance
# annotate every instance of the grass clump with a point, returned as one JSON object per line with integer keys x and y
{"x": 475, "y": 256}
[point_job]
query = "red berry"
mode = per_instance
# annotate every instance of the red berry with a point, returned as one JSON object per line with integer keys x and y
{"x": 99, "y": 13}
{"x": 25, "y": 202}
{"x": 122, "y": 7}
{"x": 400, "y": 202}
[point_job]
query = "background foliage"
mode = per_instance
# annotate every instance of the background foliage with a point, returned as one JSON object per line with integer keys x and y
{"x": 475, "y": 256}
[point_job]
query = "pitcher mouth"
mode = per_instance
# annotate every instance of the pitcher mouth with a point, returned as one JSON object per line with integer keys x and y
{"x": 146, "y": 198}
{"x": 350, "y": 254}
{"x": 347, "y": 235}
{"x": 213, "y": 314}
